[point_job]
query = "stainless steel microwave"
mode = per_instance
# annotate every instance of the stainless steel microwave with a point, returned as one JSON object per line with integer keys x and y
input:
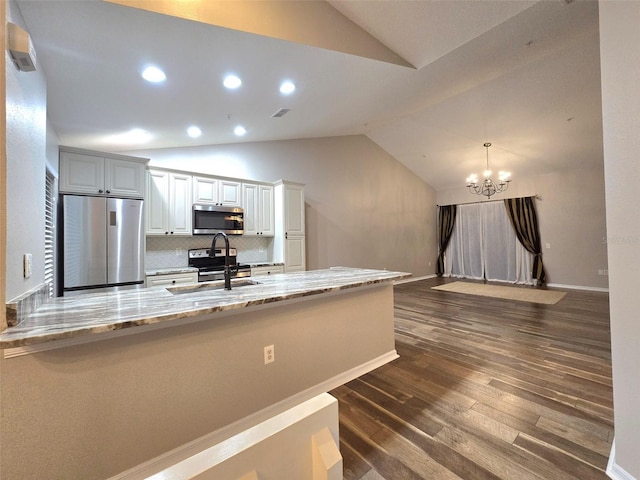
{"x": 211, "y": 219}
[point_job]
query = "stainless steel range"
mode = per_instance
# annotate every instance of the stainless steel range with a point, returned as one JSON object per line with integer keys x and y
{"x": 212, "y": 268}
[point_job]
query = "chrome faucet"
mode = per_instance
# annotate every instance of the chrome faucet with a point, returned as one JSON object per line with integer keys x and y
{"x": 227, "y": 267}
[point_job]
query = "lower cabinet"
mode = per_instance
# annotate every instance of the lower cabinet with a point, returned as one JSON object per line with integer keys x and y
{"x": 294, "y": 251}
{"x": 171, "y": 279}
{"x": 269, "y": 270}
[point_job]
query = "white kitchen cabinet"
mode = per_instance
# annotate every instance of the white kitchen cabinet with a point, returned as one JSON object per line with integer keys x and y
{"x": 230, "y": 193}
{"x": 97, "y": 174}
{"x": 171, "y": 279}
{"x": 217, "y": 191}
{"x": 205, "y": 190}
{"x": 258, "y": 206}
{"x": 266, "y": 210}
{"x": 294, "y": 209}
{"x": 289, "y": 241}
{"x": 168, "y": 205}
{"x": 294, "y": 254}
{"x": 268, "y": 270}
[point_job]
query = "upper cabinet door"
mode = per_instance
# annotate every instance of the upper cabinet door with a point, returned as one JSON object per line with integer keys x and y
{"x": 98, "y": 175}
{"x": 124, "y": 178}
{"x": 258, "y": 205}
{"x": 217, "y": 191}
{"x": 266, "y": 210}
{"x": 180, "y": 204}
{"x": 157, "y": 203}
{"x": 205, "y": 190}
{"x": 230, "y": 193}
{"x": 168, "y": 203}
{"x": 250, "y": 206}
{"x": 81, "y": 173}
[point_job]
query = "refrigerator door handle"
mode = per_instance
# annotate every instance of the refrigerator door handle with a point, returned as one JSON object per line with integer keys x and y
{"x": 112, "y": 219}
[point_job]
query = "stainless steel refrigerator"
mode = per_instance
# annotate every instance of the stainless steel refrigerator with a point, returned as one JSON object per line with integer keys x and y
{"x": 103, "y": 243}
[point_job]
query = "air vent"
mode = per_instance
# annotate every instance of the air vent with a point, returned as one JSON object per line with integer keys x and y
{"x": 281, "y": 113}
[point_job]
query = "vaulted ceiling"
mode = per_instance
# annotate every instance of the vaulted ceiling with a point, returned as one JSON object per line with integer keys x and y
{"x": 428, "y": 81}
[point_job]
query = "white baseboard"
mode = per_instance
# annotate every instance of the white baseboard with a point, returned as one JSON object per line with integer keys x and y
{"x": 577, "y": 287}
{"x": 615, "y": 471}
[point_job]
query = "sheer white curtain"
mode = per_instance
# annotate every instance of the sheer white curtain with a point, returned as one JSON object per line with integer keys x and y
{"x": 484, "y": 246}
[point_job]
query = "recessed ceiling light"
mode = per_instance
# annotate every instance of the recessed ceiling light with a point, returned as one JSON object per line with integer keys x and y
{"x": 232, "y": 81}
{"x": 153, "y": 75}
{"x": 239, "y": 130}
{"x": 194, "y": 132}
{"x": 287, "y": 88}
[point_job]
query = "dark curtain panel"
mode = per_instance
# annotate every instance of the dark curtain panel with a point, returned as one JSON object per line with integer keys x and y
{"x": 522, "y": 213}
{"x": 446, "y": 219}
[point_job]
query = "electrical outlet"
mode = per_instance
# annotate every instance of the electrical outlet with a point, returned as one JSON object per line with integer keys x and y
{"x": 269, "y": 354}
{"x": 27, "y": 264}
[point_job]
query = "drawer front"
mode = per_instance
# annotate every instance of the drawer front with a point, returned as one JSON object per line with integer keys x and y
{"x": 172, "y": 279}
{"x": 257, "y": 271}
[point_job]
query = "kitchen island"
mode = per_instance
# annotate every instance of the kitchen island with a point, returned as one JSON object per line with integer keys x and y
{"x": 143, "y": 381}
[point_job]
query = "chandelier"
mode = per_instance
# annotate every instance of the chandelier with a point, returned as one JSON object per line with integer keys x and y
{"x": 488, "y": 187}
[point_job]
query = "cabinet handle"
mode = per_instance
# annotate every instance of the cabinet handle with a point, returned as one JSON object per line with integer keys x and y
{"x": 100, "y": 191}
{"x": 108, "y": 191}
{"x": 171, "y": 233}
{"x": 286, "y": 235}
{"x": 173, "y": 281}
{"x": 166, "y": 233}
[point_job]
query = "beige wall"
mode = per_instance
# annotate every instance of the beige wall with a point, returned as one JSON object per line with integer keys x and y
{"x": 571, "y": 215}
{"x": 363, "y": 208}
{"x": 620, "y": 57}
{"x": 91, "y": 411}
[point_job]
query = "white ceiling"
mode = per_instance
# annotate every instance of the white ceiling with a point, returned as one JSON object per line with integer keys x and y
{"x": 522, "y": 75}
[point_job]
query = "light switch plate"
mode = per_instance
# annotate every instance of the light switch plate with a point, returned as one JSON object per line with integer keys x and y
{"x": 27, "y": 264}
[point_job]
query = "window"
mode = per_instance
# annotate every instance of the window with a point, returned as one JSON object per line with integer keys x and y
{"x": 484, "y": 246}
{"x": 49, "y": 230}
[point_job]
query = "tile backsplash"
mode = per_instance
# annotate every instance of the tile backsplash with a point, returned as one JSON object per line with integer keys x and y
{"x": 171, "y": 251}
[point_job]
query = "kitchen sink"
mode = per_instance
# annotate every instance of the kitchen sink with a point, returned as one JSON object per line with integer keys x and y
{"x": 207, "y": 286}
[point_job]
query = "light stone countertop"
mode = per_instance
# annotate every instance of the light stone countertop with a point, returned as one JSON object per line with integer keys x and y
{"x": 93, "y": 313}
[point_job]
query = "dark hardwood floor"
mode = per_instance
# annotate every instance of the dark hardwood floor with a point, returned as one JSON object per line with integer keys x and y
{"x": 484, "y": 389}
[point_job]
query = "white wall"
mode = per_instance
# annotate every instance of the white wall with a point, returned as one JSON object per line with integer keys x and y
{"x": 572, "y": 220}
{"x": 26, "y": 156}
{"x": 620, "y": 59}
{"x": 363, "y": 208}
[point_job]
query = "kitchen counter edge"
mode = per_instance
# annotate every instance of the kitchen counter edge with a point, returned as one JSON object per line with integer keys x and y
{"x": 95, "y": 313}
